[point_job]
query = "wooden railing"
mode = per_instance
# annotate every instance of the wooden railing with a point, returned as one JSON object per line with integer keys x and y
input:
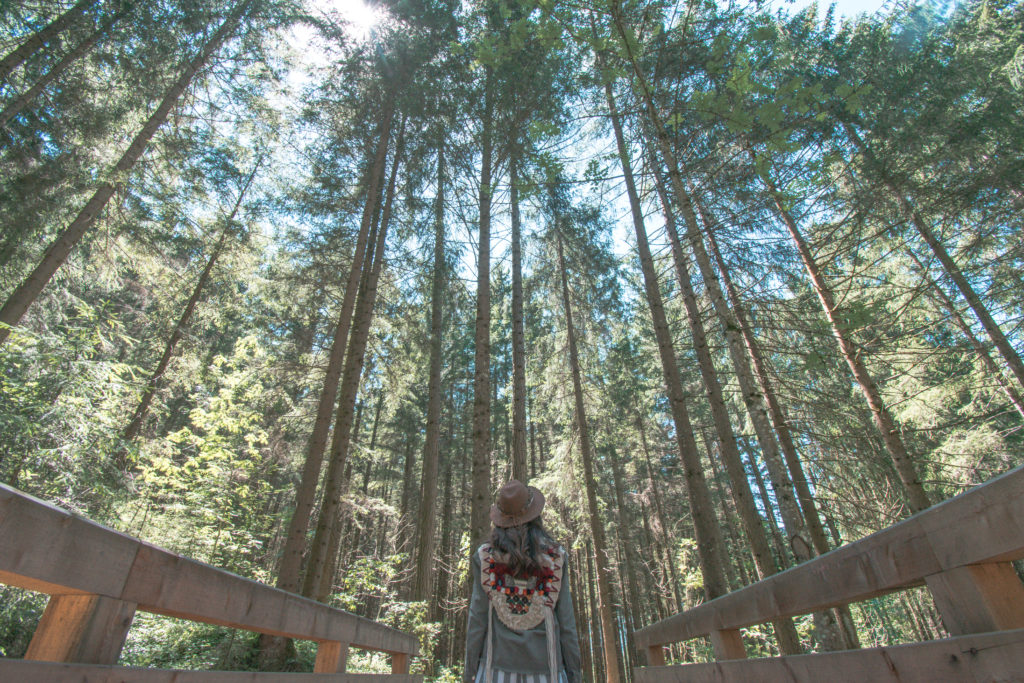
{"x": 97, "y": 578}
{"x": 961, "y": 550}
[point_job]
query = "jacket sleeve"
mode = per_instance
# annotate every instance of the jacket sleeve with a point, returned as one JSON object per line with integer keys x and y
{"x": 568, "y": 638}
{"x": 476, "y": 628}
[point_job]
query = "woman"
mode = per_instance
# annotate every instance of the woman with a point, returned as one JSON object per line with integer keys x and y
{"x": 521, "y": 625}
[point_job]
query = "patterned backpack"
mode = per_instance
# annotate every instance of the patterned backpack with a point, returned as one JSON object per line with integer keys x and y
{"x": 522, "y": 603}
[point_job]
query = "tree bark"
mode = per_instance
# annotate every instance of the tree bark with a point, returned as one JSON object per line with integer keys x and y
{"x": 992, "y": 329}
{"x": 709, "y": 541}
{"x": 38, "y": 39}
{"x": 324, "y": 550}
{"x": 631, "y": 592}
{"x": 23, "y": 297}
{"x": 917, "y": 499}
{"x": 662, "y": 541}
{"x": 289, "y": 575}
{"x": 19, "y": 103}
{"x": 519, "y": 463}
{"x": 149, "y": 391}
{"x": 779, "y": 420}
{"x": 604, "y": 578}
{"x": 739, "y": 484}
{"x": 273, "y": 650}
{"x": 797, "y": 539}
{"x": 990, "y": 365}
{"x": 424, "y": 576}
{"x": 739, "y": 576}
{"x": 481, "y": 466}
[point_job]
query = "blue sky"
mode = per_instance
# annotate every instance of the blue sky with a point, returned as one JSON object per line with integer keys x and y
{"x": 844, "y": 8}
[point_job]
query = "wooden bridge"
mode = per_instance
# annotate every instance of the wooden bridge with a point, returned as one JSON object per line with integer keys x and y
{"x": 962, "y": 550}
{"x": 97, "y": 578}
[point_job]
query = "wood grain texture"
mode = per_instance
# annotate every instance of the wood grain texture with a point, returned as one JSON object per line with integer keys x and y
{"x": 90, "y": 629}
{"x": 165, "y": 583}
{"x": 986, "y": 658}
{"x": 399, "y": 663}
{"x": 979, "y": 598}
{"x": 983, "y": 525}
{"x": 62, "y": 552}
{"x": 728, "y": 644}
{"x": 47, "y": 549}
{"x": 22, "y": 671}
{"x": 331, "y": 657}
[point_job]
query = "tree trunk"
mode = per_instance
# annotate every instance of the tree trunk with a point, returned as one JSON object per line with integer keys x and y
{"x": 19, "y": 103}
{"x": 631, "y": 592}
{"x": 917, "y": 499}
{"x": 770, "y": 508}
{"x": 739, "y": 484}
{"x": 519, "y": 464}
{"x": 36, "y": 41}
{"x": 324, "y": 549}
{"x": 20, "y": 300}
{"x": 533, "y": 444}
{"x": 407, "y": 503}
{"x": 425, "y": 564}
{"x": 709, "y": 541}
{"x": 662, "y": 540}
{"x": 604, "y": 579}
{"x": 995, "y": 333}
{"x": 779, "y": 419}
{"x": 728, "y": 521}
{"x": 797, "y": 537}
{"x": 990, "y": 365}
{"x": 579, "y": 605}
{"x": 481, "y": 466}
{"x": 289, "y": 575}
{"x": 149, "y": 391}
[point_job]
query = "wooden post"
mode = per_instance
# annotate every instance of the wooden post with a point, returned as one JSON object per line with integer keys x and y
{"x": 331, "y": 657}
{"x": 87, "y": 629}
{"x": 979, "y": 598}
{"x": 399, "y": 662}
{"x": 728, "y": 644}
{"x": 656, "y": 655}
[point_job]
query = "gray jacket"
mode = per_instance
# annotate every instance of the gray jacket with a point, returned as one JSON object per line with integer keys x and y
{"x": 526, "y": 651}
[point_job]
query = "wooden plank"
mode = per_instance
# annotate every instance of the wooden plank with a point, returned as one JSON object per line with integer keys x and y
{"x": 656, "y": 656}
{"x": 51, "y": 550}
{"x": 331, "y": 657}
{"x": 90, "y": 629}
{"x": 986, "y": 657}
{"x": 979, "y": 598}
{"x": 168, "y": 584}
{"x": 985, "y": 524}
{"x": 728, "y": 644}
{"x": 24, "y": 671}
{"x": 44, "y": 548}
{"x": 399, "y": 663}
{"x": 892, "y": 559}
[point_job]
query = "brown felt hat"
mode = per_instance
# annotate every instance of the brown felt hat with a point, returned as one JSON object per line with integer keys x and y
{"x": 517, "y": 504}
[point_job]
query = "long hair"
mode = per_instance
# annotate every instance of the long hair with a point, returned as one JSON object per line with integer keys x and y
{"x": 521, "y": 546}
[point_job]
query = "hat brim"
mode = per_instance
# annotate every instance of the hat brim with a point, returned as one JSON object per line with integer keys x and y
{"x": 532, "y": 511}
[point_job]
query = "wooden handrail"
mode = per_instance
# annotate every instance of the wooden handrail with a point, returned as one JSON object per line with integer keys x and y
{"x": 97, "y": 577}
{"x": 961, "y": 549}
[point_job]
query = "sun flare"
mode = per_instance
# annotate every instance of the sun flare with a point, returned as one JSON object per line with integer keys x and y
{"x": 359, "y": 17}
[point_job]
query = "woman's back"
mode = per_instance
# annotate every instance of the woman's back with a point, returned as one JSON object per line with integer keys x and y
{"x": 521, "y": 627}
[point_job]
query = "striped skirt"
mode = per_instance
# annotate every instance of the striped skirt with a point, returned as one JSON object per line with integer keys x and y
{"x": 499, "y": 676}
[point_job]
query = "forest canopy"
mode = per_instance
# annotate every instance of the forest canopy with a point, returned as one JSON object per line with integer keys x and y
{"x": 292, "y": 288}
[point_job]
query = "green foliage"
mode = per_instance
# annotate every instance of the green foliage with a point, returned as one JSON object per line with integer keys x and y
{"x": 766, "y": 114}
{"x": 21, "y": 612}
